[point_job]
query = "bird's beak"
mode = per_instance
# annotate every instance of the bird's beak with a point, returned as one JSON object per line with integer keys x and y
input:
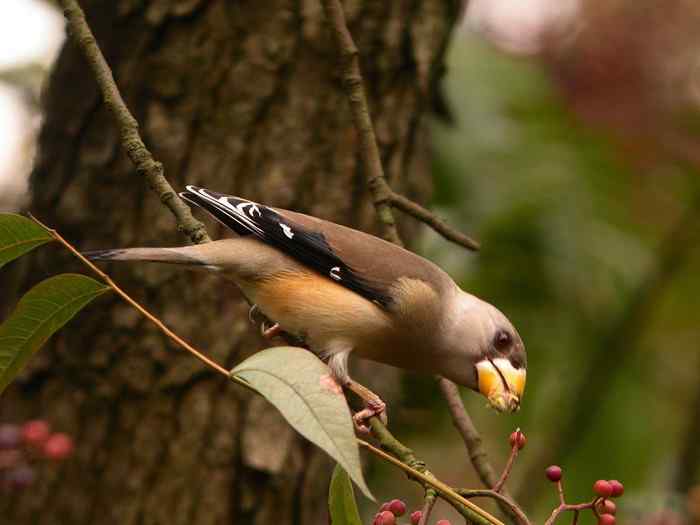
{"x": 501, "y": 383}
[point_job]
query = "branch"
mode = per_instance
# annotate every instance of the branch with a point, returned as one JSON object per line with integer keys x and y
{"x": 427, "y": 217}
{"x": 428, "y": 504}
{"x": 131, "y": 141}
{"x": 503, "y": 501}
{"x": 353, "y": 85}
{"x": 474, "y": 443}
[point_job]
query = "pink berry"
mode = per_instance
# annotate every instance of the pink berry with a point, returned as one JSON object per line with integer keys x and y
{"x": 385, "y": 518}
{"x": 59, "y": 446}
{"x": 518, "y": 439}
{"x": 553, "y": 473}
{"x": 385, "y": 506}
{"x": 443, "y": 522}
{"x": 606, "y": 519}
{"x": 36, "y": 432}
{"x": 618, "y": 489}
{"x": 397, "y": 507}
{"x": 415, "y": 517}
{"x": 606, "y": 507}
{"x": 602, "y": 488}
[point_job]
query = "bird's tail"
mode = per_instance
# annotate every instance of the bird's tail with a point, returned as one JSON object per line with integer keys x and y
{"x": 184, "y": 255}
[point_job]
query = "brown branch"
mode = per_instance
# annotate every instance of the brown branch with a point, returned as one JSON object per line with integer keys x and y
{"x": 427, "y": 217}
{"x": 428, "y": 504}
{"x": 473, "y": 442}
{"x": 503, "y": 501}
{"x": 131, "y": 141}
{"x": 353, "y": 85}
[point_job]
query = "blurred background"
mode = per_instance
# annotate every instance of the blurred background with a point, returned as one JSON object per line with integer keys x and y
{"x": 568, "y": 143}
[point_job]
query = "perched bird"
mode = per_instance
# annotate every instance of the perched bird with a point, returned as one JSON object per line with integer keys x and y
{"x": 343, "y": 291}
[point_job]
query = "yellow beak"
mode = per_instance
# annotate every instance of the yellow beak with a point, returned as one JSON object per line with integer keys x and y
{"x": 501, "y": 383}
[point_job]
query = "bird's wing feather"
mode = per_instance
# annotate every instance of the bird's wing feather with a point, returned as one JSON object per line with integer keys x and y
{"x": 358, "y": 261}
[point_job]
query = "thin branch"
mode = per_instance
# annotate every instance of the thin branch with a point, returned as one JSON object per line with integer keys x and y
{"x": 474, "y": 513}
{"x": 417, "y": 211}
{"x": 353, "y": 85}
{"x": 131, "y": 141}
{"x": 159, "y": 324}
{"x": 428, "y": 504}
{"x": 473, "y": 442}
{"x": 503, "y": 501}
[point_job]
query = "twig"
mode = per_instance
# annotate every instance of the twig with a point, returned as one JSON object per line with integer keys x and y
{"x": 167, "y": 331}
{"x": 131, "y": 141}
{"x": 474, "y": 513}
{"x": 352, "y": 82}
{"x": 427, "y": 217}
{"x": 502, "y": 500}
{"x": 474, "y": 444}
{"x": 428, "y": 504}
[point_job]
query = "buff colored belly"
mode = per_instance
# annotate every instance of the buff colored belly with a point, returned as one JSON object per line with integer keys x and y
{"x": 319, "y": 309}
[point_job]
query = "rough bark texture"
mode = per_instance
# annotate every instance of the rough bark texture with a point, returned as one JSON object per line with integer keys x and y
{"x": 242, "y": 97}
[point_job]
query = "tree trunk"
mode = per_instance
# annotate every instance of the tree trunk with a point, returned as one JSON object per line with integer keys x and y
{"x": 244, "y": 98}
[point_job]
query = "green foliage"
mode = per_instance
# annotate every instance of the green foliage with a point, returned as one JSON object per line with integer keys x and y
{"x": 40, "y": 313}
{"x": 300, "y": 386}
{"x": 19, "y": 235}
{"x": 341, "y": 499}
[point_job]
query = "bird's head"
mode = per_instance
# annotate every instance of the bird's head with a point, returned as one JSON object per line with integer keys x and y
{"x": 492, "y": 359}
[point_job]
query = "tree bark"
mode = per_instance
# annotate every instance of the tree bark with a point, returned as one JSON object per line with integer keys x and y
{"x": 244, "y": 98}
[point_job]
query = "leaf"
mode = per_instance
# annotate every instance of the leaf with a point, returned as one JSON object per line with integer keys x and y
{"x": 341, "y": 499}
{"x": 38, "y": 315}
{"x": 300, "y": 386}
{"x": 19, "y": 235}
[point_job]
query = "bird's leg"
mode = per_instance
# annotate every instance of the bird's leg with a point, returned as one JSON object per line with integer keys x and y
{"x": 374, "y": 406}
{"x": 270, "y": 332}
{"x": 267, "y": 331}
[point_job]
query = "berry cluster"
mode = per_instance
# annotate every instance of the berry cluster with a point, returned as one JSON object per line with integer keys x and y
{"x": 602, "y": 506}
{"x": 22, "y": 446}
{"x": 396, "y": 508}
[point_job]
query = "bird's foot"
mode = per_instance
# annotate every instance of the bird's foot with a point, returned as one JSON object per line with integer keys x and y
{"x": 373, "y": 407}
{"x": 253, "y": 313}
{"x": 271, "y": 331}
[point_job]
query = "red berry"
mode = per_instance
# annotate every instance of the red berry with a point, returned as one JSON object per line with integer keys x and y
{"x": 10, "y": 436}
{"x": 36, "y": 432}
{"x": 59, "y": 446}
{"x": 618, "y": 489}
{"x": 385, "y": 506}
{"x": 518, "y": 439}
{"x": 606, "y": 519}
{"x": 415, "y": 517}
{"x": 602, "y": 488}
{"x": 397, "y": 507}
{"x": 385, "y": 518}
{"x": 606, "y": 507}
{"x": 553, "y": 473}
{"x": 443, "y": 522}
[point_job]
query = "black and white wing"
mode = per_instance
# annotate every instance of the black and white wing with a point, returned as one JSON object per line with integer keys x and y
{"x": 305, "y": 245}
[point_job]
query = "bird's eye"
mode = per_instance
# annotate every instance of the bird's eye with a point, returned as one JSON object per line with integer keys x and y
{"x": 502, "y": 340}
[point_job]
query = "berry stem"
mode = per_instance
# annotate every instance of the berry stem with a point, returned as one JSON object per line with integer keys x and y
{"x": 498, "y": 487}
{"x": 428, "y": 504}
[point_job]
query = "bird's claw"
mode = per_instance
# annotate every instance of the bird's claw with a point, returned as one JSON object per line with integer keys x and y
{"x": 270, "y": 332}
{"x": 373, "y": 407}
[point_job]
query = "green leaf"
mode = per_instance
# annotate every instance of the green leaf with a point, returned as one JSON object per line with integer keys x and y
{"x": 341, "y": 499}
{"x": 38, "y": 315}
{"x": 19, "y": 235}
{"x": 300, "y": 386}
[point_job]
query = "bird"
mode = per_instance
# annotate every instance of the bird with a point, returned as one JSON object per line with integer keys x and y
{"x": 346, "y": 292}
